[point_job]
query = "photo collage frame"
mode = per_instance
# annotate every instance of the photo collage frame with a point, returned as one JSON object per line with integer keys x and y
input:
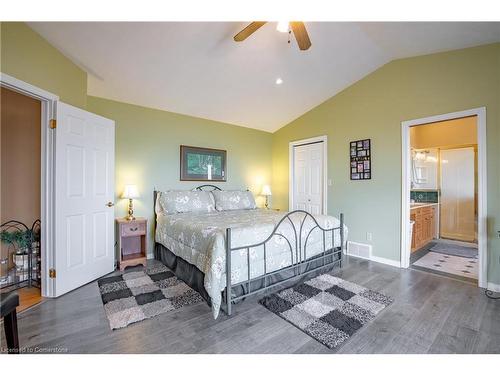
{"x": 361, "y": 166}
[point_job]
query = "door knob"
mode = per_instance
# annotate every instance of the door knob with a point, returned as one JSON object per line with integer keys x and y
{"x": 110, "y": 204}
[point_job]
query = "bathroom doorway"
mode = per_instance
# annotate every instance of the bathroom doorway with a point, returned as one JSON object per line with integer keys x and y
{"x": 21, "y": 197}
{"x": 444, "y": 199}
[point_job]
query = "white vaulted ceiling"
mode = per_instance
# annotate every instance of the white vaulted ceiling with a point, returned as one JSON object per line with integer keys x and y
{"x": 197, "y": 69}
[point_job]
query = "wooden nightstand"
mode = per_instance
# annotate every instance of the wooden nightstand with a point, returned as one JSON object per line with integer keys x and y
{"x": 131, "y": 236}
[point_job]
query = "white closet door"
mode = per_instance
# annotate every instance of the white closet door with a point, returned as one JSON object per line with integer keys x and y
{"x": 84, "y": 193}
{"x": 457, "y": 194}
{"x": 308, "y": 178}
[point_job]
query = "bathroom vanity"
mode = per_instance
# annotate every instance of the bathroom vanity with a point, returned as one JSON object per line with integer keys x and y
{"x": 425, "y": 216}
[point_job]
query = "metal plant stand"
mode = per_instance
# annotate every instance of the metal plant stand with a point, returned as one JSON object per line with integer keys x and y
{"x": 20, "y": 255}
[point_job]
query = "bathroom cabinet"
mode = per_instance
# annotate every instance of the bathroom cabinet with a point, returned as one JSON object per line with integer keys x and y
{"x": 424, "y": 230}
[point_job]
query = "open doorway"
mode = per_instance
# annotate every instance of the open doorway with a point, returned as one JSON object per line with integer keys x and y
{"x": 444, "y": 195}
{"x": 20, "y": 197}
{"x": 64, "y": 129}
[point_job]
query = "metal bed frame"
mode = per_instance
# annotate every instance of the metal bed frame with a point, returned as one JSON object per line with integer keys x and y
{"x": 300, "y": 264}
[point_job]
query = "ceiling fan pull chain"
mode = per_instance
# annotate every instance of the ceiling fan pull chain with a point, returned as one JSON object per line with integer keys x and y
{"x": 289, "y": 33}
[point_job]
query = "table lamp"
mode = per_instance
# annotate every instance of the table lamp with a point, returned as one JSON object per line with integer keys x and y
{"x": 266, "y": 191}
{"x": 130, "y": 193}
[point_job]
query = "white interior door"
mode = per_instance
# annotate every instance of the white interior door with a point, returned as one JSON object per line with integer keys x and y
{"x": 308, "y": 178}
{"x": 457, "y": 194}
{"x": 84, "y": 184}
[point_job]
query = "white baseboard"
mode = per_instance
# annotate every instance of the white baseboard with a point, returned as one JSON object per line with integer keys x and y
{"x": 494, "y": 287}
{"x": 389, "y": 262}
{"x": 356, "y": 256}
{"x": 374, "y": 258}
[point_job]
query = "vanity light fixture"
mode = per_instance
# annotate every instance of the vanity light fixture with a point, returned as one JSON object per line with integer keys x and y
{"x": 420, "y": 156}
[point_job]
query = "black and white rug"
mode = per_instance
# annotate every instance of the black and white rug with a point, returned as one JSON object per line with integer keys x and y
{"x": 142, "y": 294}
{"x": 327, "y": 308}
{"x": 449, "y": 264}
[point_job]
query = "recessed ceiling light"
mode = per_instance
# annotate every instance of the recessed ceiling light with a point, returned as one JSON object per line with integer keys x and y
{"x": 282, "y": 26}
{"x": 279, "y": 81}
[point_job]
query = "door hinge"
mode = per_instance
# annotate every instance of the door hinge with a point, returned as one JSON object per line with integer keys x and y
{"x": 52, "y": 273}
{"x": 53, "y": 123}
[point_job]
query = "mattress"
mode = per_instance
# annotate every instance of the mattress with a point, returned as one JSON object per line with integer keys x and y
{"x": 200, "y": 239}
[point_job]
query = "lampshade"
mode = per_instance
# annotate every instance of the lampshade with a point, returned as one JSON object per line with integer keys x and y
{"x": 266, "y": 190}
{"x": 130, "y": 192}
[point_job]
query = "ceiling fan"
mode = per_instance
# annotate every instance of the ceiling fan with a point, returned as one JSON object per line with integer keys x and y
{"x": 298, "y": 28}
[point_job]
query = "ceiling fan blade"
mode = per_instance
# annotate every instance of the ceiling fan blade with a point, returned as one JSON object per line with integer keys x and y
{"x": 247, "y": 31}
{"x": 300, "y": 32}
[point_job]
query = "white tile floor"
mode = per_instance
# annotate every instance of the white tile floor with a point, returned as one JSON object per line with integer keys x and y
{"x": 465, "y": 267}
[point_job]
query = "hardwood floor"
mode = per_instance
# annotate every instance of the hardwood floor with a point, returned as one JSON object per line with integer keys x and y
{"x": 430, "y": 314}
{"x": 28, "y": 297}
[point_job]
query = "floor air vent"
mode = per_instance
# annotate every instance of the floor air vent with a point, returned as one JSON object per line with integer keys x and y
{"x": 360, "y": 250}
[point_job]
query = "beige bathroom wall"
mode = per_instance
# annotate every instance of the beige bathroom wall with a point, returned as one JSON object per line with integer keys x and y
{"x": 451, "y": 133}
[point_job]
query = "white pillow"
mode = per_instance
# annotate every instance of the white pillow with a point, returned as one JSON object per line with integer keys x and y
{"x": 173, "y": 202}
{"x": 233, "y": 200}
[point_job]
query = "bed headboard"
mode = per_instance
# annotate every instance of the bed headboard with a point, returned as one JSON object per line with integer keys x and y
{"x": 207, "y": 188}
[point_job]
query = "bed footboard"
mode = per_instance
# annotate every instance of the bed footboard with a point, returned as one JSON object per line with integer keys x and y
{"x": 300, "y": 262}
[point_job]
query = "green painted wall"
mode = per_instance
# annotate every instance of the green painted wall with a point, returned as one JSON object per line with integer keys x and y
{"x": 147, "y": 140}
{"x": 374, "y": 107}
{"x": 25, "y": 55}
{"x": 147, "y": 151}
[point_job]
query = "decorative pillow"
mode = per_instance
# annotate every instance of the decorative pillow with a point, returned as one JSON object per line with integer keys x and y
{"x": 234, "y": 200}
{"x": 173, "y": 202}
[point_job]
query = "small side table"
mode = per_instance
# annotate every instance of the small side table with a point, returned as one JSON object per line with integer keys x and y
{"x": 131, "y": 236}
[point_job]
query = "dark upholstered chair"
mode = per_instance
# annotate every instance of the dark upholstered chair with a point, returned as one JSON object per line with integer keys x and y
{"x": 8, "y": 303}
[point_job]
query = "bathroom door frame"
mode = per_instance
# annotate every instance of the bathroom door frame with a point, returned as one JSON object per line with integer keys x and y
{"x": 482, "y": 237}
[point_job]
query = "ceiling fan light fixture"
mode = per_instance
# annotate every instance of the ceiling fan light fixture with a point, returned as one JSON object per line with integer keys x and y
{"x": 283, "y": 26}
{"x": 298, "y": 29}
{"x": 279, "y": 81}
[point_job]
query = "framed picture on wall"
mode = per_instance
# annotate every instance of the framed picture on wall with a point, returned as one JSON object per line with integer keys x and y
{"x": 360, "y": 159}
{"x": 202, "y": 164}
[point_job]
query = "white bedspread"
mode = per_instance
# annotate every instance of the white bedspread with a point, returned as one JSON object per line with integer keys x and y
{"x": 199, "y": 238}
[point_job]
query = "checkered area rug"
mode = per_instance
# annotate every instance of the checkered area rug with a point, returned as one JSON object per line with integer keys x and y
{"x": 327, "y": 308}
{"x": 141, "y": 294}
